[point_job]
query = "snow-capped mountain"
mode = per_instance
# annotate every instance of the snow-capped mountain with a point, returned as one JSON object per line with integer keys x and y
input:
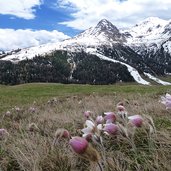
{"x": 150, "y": 35}
{"x": 145, "y": 48}
{"x": 104, "y": 32}
{"x": 151, "y": 39}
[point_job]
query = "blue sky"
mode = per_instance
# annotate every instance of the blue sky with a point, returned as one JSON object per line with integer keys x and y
{"x": 25, "y": 23}
{"x": 47, "y": 17}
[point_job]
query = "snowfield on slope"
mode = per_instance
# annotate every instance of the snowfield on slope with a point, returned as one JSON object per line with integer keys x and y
{"x": 72, "y": 45}
{"x": 132, "y": 70}
{"x": 156, "y": 79}
{"x": 29, "y": 53}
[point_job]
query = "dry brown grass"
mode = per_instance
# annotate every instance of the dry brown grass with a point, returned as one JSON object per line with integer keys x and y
{"x": 24, "y": 150}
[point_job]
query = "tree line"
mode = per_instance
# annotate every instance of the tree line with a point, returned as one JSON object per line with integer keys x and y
{"x": 58, "y": 67}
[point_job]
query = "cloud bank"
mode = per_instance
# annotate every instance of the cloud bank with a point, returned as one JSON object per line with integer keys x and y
{"x": 14, "y": 39}
{"x": 19, "y": 8}
{"x": 122, "y": 13}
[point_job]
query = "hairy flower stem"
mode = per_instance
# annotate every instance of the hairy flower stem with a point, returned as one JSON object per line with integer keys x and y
{"x": 131, "y": 141}
{"x": 103, "y": 153}
{"x": 100, "y": 166}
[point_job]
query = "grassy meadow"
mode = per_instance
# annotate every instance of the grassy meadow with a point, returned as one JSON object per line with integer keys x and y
{"x": 62, "y": 106}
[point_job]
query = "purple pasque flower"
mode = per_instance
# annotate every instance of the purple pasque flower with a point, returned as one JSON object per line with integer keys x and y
{"x": 62, "y": 133}
{"x": 87, "y": 114}
{"x": 99, "y": 119}
{"x": 110, "y": 117}
{"x": 166, "y": 100}
{"x": 136, "y": 120}
{"x": 121, "y": 111}
{"x": 110, "y": 129}
{"x": 120, "y": 108}
{"x": 78, "y": 144}
{"x": 66, "y": 134}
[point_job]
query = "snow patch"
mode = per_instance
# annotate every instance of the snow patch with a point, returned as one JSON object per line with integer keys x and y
{"x": 156, "y": 79}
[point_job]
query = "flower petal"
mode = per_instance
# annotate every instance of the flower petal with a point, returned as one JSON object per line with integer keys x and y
{"x": 100, "y": 127}
{"x": 89, "y": 124}
{"x": 86, "y": 130}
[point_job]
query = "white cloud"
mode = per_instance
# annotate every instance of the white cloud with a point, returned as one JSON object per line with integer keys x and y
{"x": 19, "y": 8}
{"x": 87, "y": 13}
{"x": 14, "y": 39}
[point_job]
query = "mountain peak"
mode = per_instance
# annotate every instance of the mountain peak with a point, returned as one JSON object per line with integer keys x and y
{"x": 150, "y": 27}
{"x": 104, "y": 22}
{"x": 104, "y": 32}
{"x": 153, "y": 21}
{"x": 106, "y": 25}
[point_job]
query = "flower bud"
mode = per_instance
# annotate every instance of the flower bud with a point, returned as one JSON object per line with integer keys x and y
{"x": 62, "y": 133}
{"x": 87, "y": 114}
{"x": 78, "y": 144}
{"x": 99, "y": 120}
{"x": 136, "y": 120}
{"x": 110, "y": 129}
{"x": 120, "y": 108}
{"x": 110, "y": 117}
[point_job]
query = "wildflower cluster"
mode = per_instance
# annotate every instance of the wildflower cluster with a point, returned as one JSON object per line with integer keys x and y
{"x": 109, "y": 124}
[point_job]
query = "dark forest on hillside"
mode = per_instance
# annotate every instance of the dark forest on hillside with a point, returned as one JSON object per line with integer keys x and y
{"x": 58, "y": 67}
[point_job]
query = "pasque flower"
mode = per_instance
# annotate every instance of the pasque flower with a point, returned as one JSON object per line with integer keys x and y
{"x": 136, "y": 120}
{"x": 87, "y": 114}
{"x": 78, "y": 144}
{"x": 81, "y": 147}
{"x": 62, "y": 133}
{"x": 99, "y": 120}
{"x": 121, "y": 110}
{"x": 92, "y": 130}
{"x": 166, "y": 100}
{"x": 110, "y": 117}
{"x": 110, "y": 129}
